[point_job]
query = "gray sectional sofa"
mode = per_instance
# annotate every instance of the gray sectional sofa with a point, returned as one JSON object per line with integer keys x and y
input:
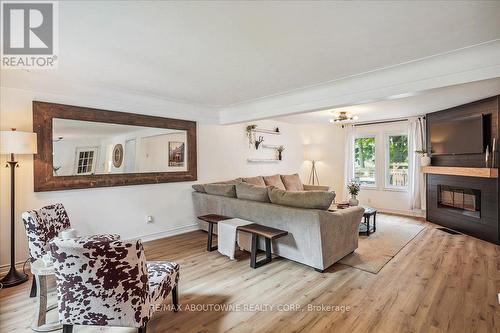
{"x": 316, "y": 237}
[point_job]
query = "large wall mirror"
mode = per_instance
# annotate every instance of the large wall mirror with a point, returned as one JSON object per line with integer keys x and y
{"x": 82, "y": 147}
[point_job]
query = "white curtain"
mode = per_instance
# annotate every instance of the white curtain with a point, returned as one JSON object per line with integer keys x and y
{"x": 349, "y": 156}
{"x": 417, "y": 181}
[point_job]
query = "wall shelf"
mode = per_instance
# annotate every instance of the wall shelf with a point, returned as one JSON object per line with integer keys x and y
{"x": 262, "y": 160}
{"x": 258, "y": 130}
{"x": 462, "y": 171}
{"x": 270, "y": 146}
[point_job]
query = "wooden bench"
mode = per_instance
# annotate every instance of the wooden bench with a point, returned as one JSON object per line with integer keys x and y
{"x": 268, "y": 233}
{"x": 212, "y": 219}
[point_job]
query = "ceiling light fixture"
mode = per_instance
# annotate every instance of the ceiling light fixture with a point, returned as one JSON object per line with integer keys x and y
{"x": 342, "y": 116}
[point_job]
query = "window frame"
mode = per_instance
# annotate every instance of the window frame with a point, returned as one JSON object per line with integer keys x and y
{"x": 387, "y": 185}
{"x": 361, "y": 136}
{"x": 84, "y": 149}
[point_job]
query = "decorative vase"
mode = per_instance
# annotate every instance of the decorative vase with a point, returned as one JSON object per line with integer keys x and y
{"x": 353, "y": 201}
{"x": 425, "y": 160}
{"x": 279, "y": 156}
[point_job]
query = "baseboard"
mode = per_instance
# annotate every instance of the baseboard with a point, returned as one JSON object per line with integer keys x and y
{"x": 4, "y": 269}
{"x": 168, "y": 233}
{"x": 412, "y": 213}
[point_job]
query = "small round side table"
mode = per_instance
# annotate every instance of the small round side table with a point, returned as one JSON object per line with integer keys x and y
{"x": 41, "y": 273}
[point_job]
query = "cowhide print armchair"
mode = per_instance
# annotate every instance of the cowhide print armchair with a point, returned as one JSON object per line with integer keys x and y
{"x": 42, "y": 226}
{"x": 108, "y": 282}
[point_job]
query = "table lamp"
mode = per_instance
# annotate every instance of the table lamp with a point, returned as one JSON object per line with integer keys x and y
{"x": 15, "y": 142}
{"x": 312, "y": 152}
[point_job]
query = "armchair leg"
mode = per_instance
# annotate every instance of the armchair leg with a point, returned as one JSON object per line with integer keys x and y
{"x": 142, "y": 329}
{"x": 67, "y": 328}
{"x": 175, "y": 299}
{"x": 33, "y": 288}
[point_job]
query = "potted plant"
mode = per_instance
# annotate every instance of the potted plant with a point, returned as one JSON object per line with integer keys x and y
{"x": 353, "y": 187}
{"x": 280, "y": 149}
{"x": 251, "y": 134}
{"x": 424, "y": 159}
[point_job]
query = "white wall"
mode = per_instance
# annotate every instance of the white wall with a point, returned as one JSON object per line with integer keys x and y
{"x": 330, "y": 139}
{"x": 222, "y": 153}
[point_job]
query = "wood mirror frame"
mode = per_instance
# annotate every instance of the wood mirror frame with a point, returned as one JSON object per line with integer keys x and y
{"x": 44, "y": 178}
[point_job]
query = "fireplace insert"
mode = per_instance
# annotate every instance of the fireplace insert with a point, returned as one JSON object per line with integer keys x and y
{"x": 463, "y": 200}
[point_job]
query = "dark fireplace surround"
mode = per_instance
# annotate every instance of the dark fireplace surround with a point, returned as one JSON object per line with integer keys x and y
{"x": 465, "y": 203}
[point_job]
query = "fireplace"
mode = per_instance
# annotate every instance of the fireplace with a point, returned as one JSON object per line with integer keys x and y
{"x": 466, "y": 201}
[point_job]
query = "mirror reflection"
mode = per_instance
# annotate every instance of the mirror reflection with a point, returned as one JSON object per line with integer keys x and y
{"x": 88, "y": 148}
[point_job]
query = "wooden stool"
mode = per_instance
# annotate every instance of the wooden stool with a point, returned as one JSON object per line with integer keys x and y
{"x": 268, "y": 233}
{"x": 212, "y": 219}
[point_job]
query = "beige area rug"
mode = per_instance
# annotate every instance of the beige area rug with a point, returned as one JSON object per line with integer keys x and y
{"x": 374, "y": 252}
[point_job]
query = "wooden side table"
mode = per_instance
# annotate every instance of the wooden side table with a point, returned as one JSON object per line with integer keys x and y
{"x": 41, "y": 273}
{"x": 212, "y": 219}
{"x": 369, "y": 212}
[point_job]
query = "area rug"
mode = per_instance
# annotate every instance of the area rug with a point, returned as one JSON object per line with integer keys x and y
{"x": 376, "y": 250}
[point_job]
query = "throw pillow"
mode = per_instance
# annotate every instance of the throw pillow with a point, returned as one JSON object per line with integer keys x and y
{"x": 258, "y": 181}
{"x": 310, "y": 199}
{"x": 252, "y": 192}
{"x": 292, "y": 182}
{"x": 199, "y": 188}
{"x": 274, "y": 180}
{"x": 225, "y": 190}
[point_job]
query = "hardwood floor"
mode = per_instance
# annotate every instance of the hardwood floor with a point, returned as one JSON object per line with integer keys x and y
{"x": 436, "y": 283}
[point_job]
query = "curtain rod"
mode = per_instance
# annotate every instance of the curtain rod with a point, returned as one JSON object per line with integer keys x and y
{"x": 383, "y": 122}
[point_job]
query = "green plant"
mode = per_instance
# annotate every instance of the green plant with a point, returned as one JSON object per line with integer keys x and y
{"x": 280, "y": 149}
{"x": 353, "y": 188}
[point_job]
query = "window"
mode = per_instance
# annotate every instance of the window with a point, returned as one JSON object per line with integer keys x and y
{"x": 397, "y": 161}
{"x": 85, "y": 160}
{"x": 364, "y": 160}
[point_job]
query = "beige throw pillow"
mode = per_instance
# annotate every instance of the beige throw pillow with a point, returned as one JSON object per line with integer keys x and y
{"x": 309, "y": 199}
{"x": 258, "y": 181}
{"x": 292, "y": 182}
{"x": 252, "y": 192}
{"x": 274, "y": 180}
{"x": 225, "y": 190}
{"x": 199, "y": 188}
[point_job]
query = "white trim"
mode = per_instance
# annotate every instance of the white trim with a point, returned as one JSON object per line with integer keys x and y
{"x": 409, "y": 212}
{"x": 167, "y": 233}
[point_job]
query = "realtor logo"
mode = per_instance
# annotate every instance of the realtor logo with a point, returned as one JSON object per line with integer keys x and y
{"x": 29, "y": 34}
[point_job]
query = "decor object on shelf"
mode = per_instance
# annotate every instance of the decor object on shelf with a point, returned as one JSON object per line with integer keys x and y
{"x": 15, "y": 142}
{"x": 250, "y": 130}
{"x": 258, "y": 142}
{"x": 280, "y": 150}
{"x": 353, "y": 188}
{"x": 118, "y": 155}
{"x": 312, "y": 152}
{"x": 493, "y": 152}
{"x": 487, "y": 156}
{"x": 425, "y": 160}
{"x": 342, "y": 116}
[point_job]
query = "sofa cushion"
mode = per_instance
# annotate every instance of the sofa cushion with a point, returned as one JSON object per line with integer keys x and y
{"x": 201, "y": 187}
{"x": 305, "y": 199}
{"x": 274, "y": 180}
{"x": 292, "y": 182}
{"x": 252, "y": 192}
{"x": 225, "y": 190}
{"x": 258, "y": 181}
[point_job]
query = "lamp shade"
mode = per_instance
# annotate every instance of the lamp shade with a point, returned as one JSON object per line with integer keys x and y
{"x": 17, "y": 142}
{"x": 312, "y": 152}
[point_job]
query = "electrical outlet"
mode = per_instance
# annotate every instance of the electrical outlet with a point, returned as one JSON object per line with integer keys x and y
{"x": 149, "y": 219}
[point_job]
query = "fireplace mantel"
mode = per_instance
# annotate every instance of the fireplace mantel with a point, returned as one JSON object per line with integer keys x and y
{"x": 462, "y": 171}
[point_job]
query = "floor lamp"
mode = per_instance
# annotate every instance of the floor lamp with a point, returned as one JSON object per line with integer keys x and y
{"x": 312, "y": 153}
{"x": 15, "y": 142}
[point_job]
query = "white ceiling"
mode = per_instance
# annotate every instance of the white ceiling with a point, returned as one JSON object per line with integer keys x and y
{"x": 404, "y": 106}
{"x": 222, "y": 53}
